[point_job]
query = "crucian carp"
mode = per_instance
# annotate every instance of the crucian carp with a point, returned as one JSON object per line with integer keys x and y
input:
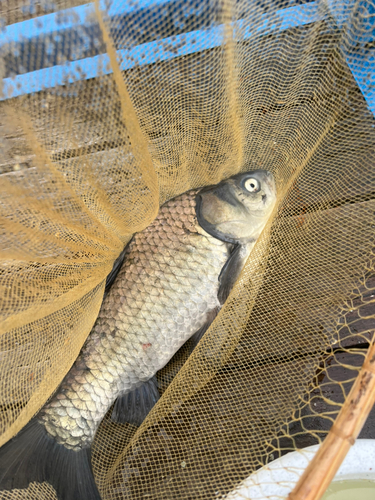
{"x": 175, "y": 276}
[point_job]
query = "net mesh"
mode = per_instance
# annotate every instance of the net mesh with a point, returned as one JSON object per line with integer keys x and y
{"x": 87, "y": 160}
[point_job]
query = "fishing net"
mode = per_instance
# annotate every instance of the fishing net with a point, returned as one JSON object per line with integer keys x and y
{"x": 109, "y": 110}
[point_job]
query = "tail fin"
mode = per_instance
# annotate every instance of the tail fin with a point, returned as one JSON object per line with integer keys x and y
{"x": 33, "y": 455}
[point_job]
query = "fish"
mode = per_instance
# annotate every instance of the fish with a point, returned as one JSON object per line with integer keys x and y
{"x": 168, "y": 286}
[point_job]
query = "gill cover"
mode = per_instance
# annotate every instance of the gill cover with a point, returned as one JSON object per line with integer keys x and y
{"x": 237, "y": 209}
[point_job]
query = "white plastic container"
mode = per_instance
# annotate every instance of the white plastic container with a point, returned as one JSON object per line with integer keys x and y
{"x": 276, "y": 480}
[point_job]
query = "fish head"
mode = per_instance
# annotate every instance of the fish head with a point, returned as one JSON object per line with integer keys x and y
{"x": 237, "y": 209}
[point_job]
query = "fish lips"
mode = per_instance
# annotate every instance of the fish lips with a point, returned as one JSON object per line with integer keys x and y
{"x": 222, "y": 213}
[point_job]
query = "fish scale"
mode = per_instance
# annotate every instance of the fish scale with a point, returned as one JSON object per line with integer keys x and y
{"x": 150, "y": 311}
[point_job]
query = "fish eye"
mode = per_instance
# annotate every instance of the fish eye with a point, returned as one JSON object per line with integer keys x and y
{"x": 252, "y": 185}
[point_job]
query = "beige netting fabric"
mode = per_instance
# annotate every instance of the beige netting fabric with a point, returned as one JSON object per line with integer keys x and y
{"x": 86, "y": 164}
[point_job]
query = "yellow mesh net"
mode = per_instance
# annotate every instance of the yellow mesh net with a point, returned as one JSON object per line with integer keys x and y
{"x": 120, "y": 106}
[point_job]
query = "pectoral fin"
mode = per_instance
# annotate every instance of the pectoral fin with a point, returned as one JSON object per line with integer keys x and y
{"x": 133, "y": 407}
{"x": 231, "y": 271}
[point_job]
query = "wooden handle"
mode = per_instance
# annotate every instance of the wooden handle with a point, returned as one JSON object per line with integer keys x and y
{"x": 348, "y": 424}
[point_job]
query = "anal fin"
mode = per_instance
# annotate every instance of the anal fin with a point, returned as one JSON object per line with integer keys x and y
{"x": 195, "y": 338}
{"x": 133, "y": 407}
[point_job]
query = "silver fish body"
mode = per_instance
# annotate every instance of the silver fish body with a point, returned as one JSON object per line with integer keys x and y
{"x": 162, "y": 295}
{"x": 175, "y": 277}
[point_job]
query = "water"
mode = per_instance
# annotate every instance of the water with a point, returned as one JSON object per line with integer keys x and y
{"x": 354, "y": 489}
